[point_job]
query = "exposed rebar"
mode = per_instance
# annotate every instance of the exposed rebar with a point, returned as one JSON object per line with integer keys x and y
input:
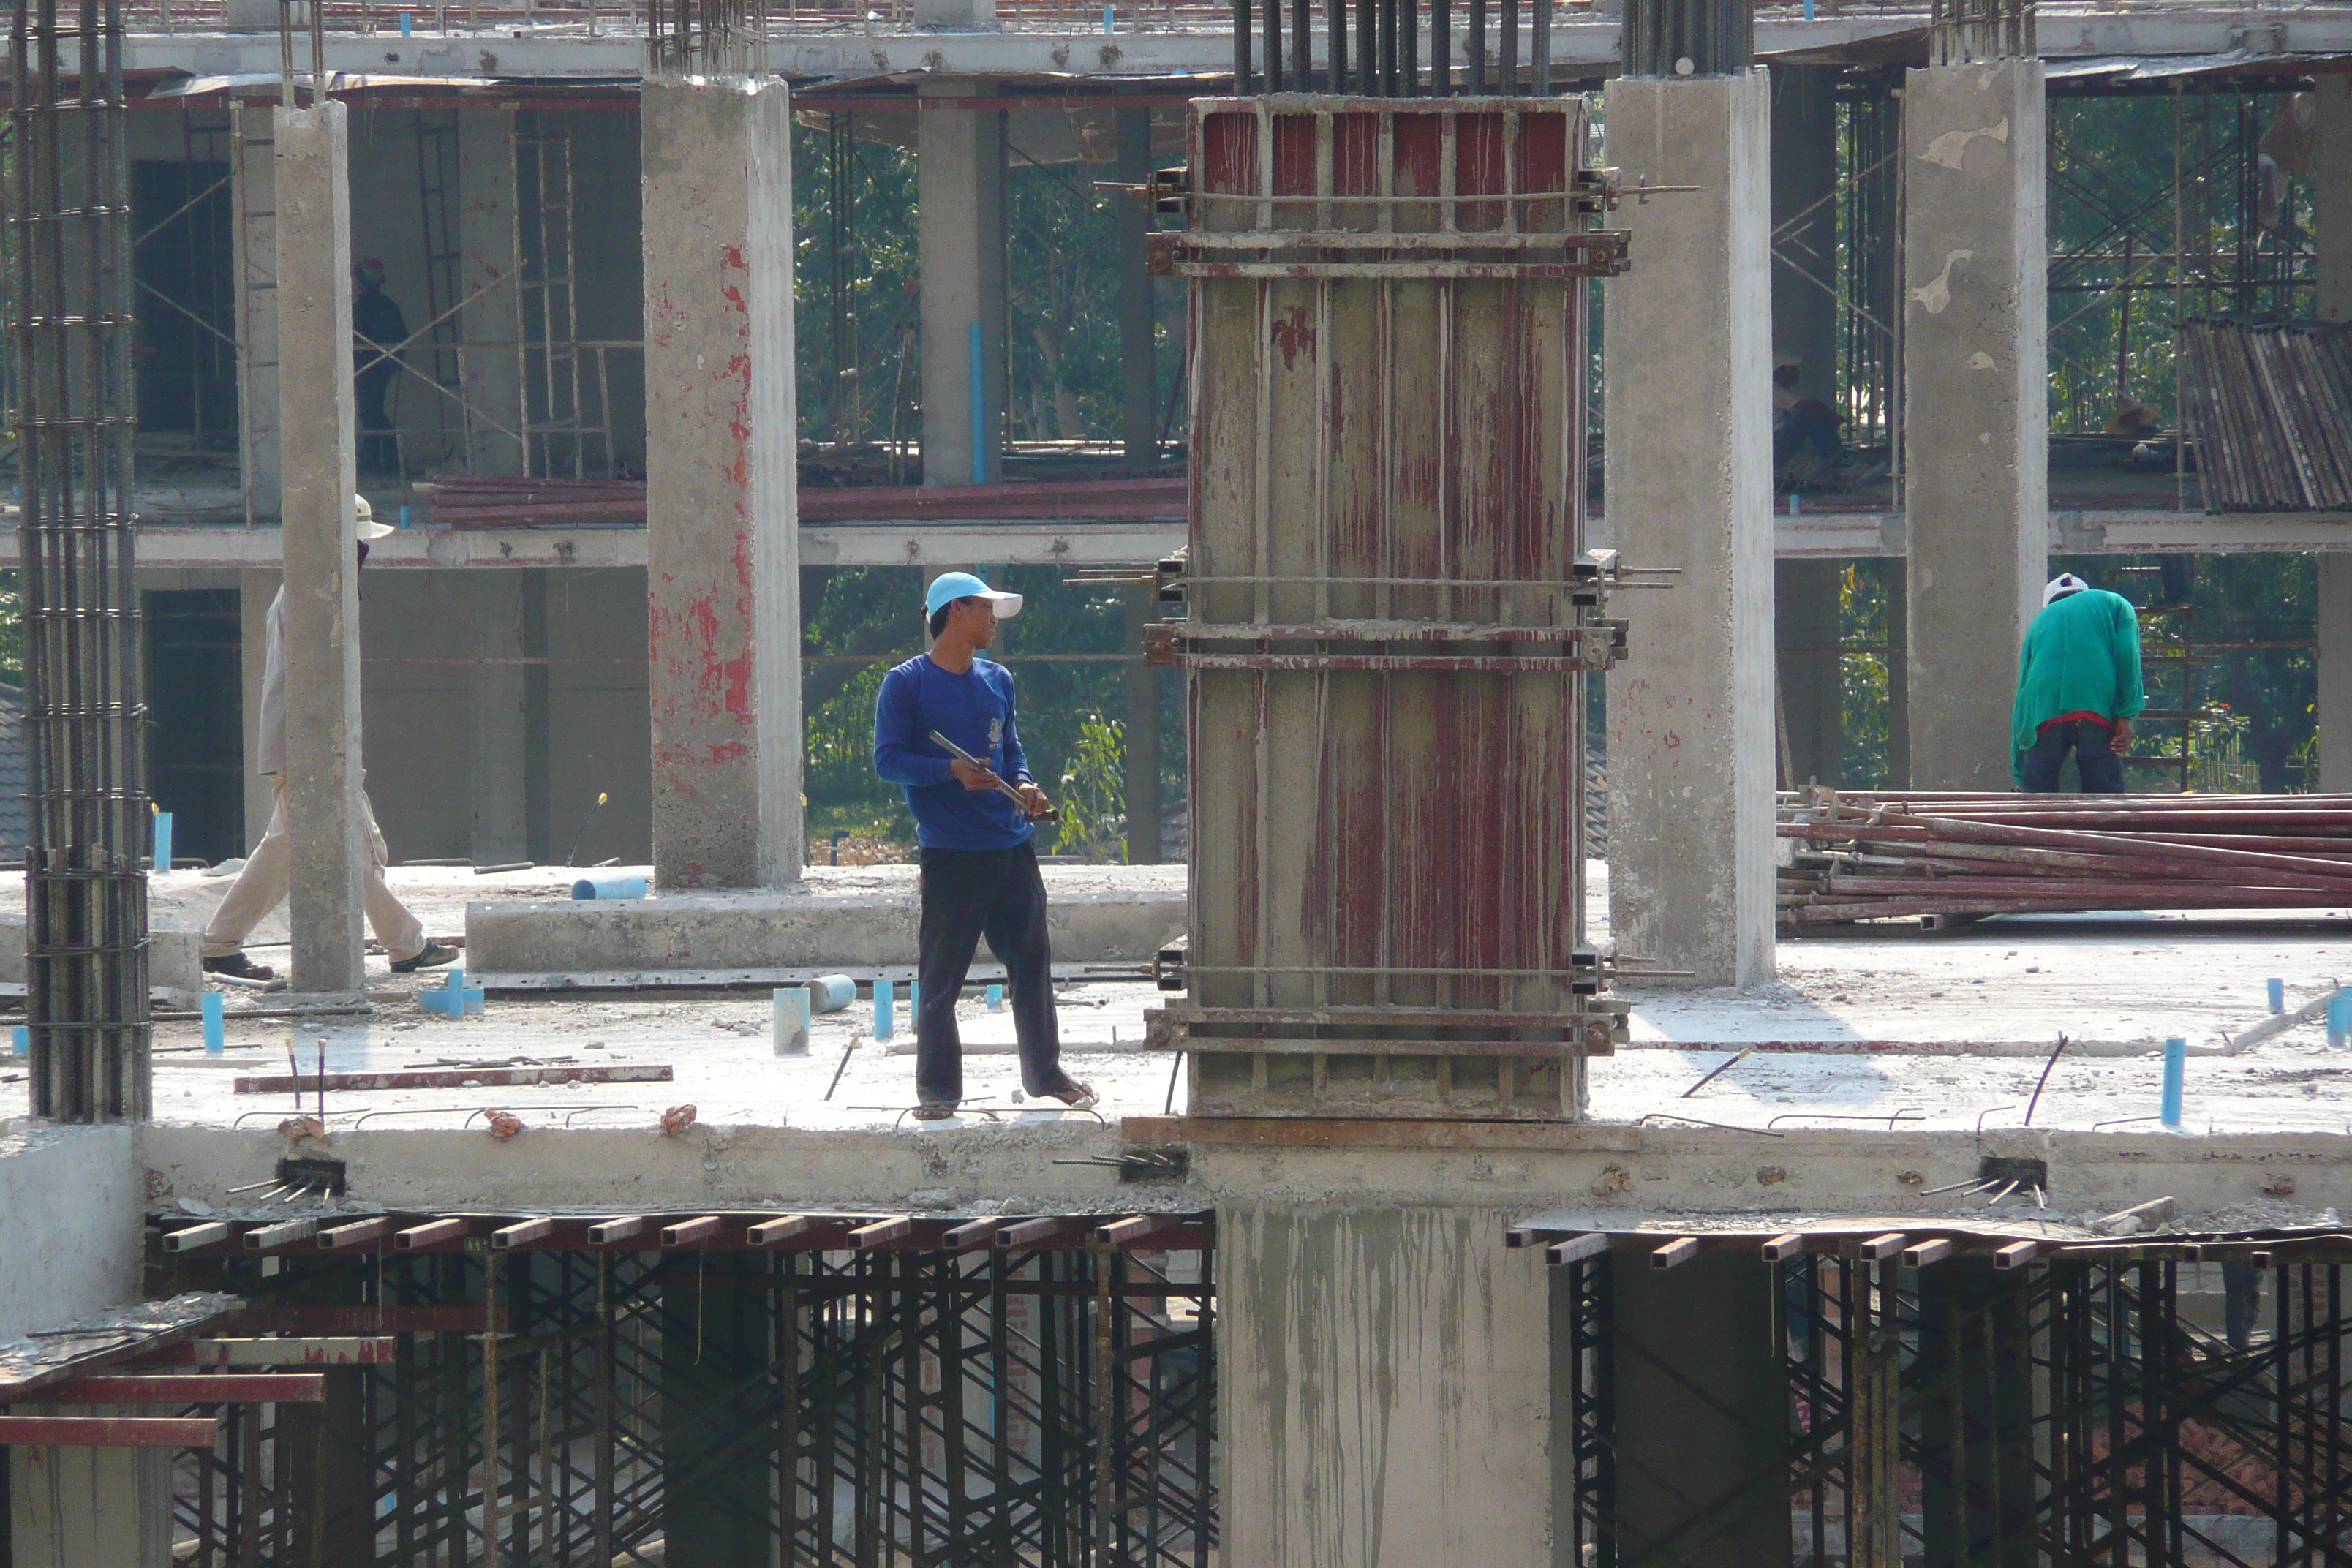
{"x": 85, "y": 889}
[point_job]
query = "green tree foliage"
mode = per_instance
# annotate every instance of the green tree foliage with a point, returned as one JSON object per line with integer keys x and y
{"x": 861, "y": 384}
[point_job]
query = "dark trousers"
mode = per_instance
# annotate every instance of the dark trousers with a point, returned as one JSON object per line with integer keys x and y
{"x": 2094, "y": 746}
{"x": 379, "y": 449}
{"x": 999, "y": 894}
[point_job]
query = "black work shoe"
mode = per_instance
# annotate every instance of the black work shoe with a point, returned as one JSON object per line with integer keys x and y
{"x": 432, "y": 955}
{"x": 935, "y": 1110}
{"x": 238, "y": 966}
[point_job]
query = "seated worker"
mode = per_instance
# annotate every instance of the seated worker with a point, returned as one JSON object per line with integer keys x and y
{"x": 2077, "y": 688}
{"x": 261, "y": 886}
{"x": 1804, "y": 429}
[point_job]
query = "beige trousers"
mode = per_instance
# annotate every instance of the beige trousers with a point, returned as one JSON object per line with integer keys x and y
{"x": 261, "y": 888}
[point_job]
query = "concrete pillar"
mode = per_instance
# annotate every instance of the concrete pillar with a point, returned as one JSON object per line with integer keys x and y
{"x": 501, "y": 831}
{"x": 1702, "y": 1400}
{"x": 1386, "y": 1388}
{"x": 253, "y": 191}
{"x": 255, "y": 588}
{"x": 721, "y": 510}
{"x": 1142, "y": 692}
{"x": 110, "y": 1507}
{"x": 1687, "y": 372}
{"x": 1975, "y": 1379}
{"x": 1805, "y": 323}
{"x": 1804, "y": 224}
{"x": 1138, "y": 371}
{"x": 960, "y": 237}
{"x": 2331, "y": 198}
{"x": 491, "y": 324}
{"x": 1806, "y": 617}
{"x": 716, "y": 1436}
{"x": 1976, "y": 407}
{"x": 322, "y": 653}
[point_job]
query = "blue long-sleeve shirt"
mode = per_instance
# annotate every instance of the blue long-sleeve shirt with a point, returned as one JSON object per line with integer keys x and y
{"x": 976, "y": 710}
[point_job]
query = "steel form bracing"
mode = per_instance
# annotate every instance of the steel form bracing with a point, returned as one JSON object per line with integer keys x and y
{"x": 866, "y": 1409}
{"x": 2071, "y": 1413}
{"x": 85, "y": 888}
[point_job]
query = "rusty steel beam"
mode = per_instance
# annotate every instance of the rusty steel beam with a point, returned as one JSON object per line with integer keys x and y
{"x": 108, "y": 1431}
{"x": 199, "y": 1388}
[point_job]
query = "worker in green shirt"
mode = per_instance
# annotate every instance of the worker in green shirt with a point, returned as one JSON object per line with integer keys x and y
{"x": 2077, "y": 688}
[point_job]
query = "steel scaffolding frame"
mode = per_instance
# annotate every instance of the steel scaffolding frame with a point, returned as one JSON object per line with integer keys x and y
{"x": 870, "y": 1408}
{"x": 85, "y": 886}
{"x": 2068, "y": 1412}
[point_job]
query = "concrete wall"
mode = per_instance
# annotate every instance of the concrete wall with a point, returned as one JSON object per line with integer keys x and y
{"x": 1385, "y": 1399}
{"x": 448, "y": 776}
{"x": 70, "y": 1224}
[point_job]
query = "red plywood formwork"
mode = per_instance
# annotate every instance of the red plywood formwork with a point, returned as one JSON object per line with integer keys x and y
{"x": 1391, "y": 612}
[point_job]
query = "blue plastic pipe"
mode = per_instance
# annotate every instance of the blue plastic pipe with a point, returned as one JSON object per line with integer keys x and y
{"x": 163, "y": 841}
{"x": 403, "y": 32}
{"x": 609, "y": 888}
{"x": 2277, "y": 989}
{"x": 979, "y": 408}
{"x": 215, "y": 1034}
{"x": 2339, "y": 1019}
{"x": 831, "y": 993}
{"x": 995, "y": 998}
{"x": 20, "y": 1040}
{"x": 2175, "y": 1062}
{"x": 790, "y": 1023}
{"x": 886, "y": 1010}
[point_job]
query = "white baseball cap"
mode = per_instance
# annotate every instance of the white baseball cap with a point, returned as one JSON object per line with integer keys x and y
{"x": 2060, "y": 585}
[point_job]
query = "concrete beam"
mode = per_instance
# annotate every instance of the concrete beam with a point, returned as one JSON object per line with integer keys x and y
{"x": 722, "y": 505}
{"x": 1687, "y": 348}
{"x": 959, "y": 234}
{"x": 1976, "y": 407}
{"x": 1386, "y": 1388}
{"x": 319, "y": 540}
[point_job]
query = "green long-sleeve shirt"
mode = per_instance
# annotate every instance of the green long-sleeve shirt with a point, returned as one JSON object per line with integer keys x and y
{"x": 2081, "y": 656}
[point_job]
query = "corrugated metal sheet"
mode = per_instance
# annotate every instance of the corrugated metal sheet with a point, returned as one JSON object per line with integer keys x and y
{"x": 2270, "y": 411}
{"x": 1386, "y": 635}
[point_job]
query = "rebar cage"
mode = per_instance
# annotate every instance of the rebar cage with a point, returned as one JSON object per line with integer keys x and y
{"x": 862, "y": 1409}
{"x": 2073, "y": 1413}
{"x": 70, "y": 317}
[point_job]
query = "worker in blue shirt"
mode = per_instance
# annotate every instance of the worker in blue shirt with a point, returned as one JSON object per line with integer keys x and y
{"x": 979, "y": 874}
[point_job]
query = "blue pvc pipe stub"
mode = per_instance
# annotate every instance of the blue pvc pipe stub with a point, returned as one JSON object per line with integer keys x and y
{"x": 212, "y": 1005}
{"x": 831, "y": 993}
{"x": 886, "y": 1010}
{"x": 2277, "y": 994}
{"x": 609, "y": 888}
{"x": 2175, "y": 1062}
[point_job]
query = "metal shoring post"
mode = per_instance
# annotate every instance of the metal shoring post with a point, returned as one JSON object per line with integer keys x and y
{"x": 994, "y": 1260}
{"x": 2180, "y": 376}
{"x": 910, "y": 1298}
{"x": 1106, "y": 1406}
{"x": 785, "y": 1267}
{"x": 873, "y": 1471}
{"x": 491, "y": 1521}
{"x": 949, "y": 1310}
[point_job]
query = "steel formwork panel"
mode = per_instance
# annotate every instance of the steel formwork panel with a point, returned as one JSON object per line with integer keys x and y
{"x": 1388, "y": 634}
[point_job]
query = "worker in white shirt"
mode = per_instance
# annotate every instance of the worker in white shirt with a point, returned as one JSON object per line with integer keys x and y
{"x": 261, "y": 886}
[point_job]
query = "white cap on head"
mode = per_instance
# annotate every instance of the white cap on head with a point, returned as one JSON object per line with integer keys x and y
{"x": 2060, "y": 585}
{"x": 369, "y": 527}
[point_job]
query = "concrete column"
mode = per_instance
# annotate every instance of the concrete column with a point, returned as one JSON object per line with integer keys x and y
{"x": 1805, "y": 323}
{"x": 1804, "y": 224}
{"x": 1702, "y": 1398}
{"x": 491, "y": 324}
{"x": 960, "y": 235}
{"x": 254, "y": 190}
{"x": 255, "y": 589}
{"x": 2331, "y": 198}
{"x": 1386, "y": 1389}
{"x": 721, "y": 510}
{"x": 1976, "y": 407}
{"x": 716, "y": 1439}
{"x": 1687, "y": 372}
{"x": 1142, "y": 692}
{"x": 322, "y": 653}
{"x": 1805, "y": 618}
{"x": 1138, "y": 371}
{"x": 500, "y": 829}
{"x": 1975, "y": 1375}
{"x": 92, "y": 1505}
